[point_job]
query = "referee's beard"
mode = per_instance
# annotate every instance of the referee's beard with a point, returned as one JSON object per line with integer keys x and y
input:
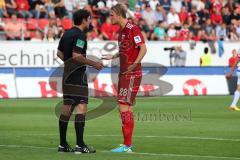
{"x": 88, "y": 28}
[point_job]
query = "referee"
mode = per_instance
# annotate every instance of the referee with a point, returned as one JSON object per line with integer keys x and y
{"x": 72, "y": 50}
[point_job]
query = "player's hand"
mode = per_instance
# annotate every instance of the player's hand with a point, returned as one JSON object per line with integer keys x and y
{"x": 107, "y": 56}
{"x": 98, "y": 66}
{"x": 130, "y": 68}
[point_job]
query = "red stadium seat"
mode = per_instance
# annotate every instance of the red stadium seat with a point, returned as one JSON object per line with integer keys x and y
{"x": 59, "y": 22}
{"x": 32, "y": 34}
{"x": 32, "y": 24}
{"x": 42, "y": 23}
{"x": 21, "y": 20}
{"x": 5, "y": 20}
{"x": 67, "y": 23}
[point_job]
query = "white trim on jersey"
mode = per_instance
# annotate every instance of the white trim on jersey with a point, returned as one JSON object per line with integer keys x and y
{"x": 130, "y": 26}
{"x": 130, "y": 88}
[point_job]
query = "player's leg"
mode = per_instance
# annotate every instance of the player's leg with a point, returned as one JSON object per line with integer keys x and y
{"x": 127, "y": 117}
{"x": 127, "y": 91}
{"x": 235, "y": 99}
{"x": 63, "y": 124}
{"x": 236, "y": 95}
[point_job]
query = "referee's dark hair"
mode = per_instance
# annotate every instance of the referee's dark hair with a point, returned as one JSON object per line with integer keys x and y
{"x": 79, "y": 16}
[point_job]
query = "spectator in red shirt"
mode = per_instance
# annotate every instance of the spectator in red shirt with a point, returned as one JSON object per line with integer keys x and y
{"x": 178, "y": 37}
{"x": 232, "y": 59}
{"x": 108, "y": 30}
{"x": 116, "y": 29}
{"x": 183, "y": 15}
{"x": 137, "y": 13}
{"x": 185, "y": 31}
{"x": 23, "y": 8}
{"x": 216, "y": 17}
{"x": 194, "y": 14}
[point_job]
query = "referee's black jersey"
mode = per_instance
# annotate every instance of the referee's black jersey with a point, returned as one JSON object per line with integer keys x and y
{"x": 73, "y": 40}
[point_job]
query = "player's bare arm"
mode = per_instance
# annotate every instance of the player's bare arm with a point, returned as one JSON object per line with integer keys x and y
{"x": 60, "y": 55}
{"x": 142, "y": 53}
{"x": 233, "y": 68}
{"x": 83, "y": 60}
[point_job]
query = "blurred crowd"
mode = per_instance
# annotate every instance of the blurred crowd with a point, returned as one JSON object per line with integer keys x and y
{"x": 159, "y": 20}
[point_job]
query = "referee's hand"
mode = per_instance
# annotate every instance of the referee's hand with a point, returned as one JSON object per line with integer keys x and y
{"x": 98, "y": 66}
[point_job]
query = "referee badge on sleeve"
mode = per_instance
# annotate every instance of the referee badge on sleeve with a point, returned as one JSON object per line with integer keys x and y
{"x": 80, "y": 43}
{"x": 137, "y": 39}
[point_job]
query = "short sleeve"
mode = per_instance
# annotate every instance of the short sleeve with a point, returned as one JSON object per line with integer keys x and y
{"x": 79, "y": 44}
{"x": 138, "y": 38}
{"x": 60, "y": 45}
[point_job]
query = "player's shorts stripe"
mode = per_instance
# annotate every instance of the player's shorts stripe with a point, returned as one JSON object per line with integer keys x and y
{"x": 130, "y": 87}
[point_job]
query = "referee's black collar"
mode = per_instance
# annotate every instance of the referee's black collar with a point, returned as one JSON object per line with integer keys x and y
{"x": 77, "y": 28}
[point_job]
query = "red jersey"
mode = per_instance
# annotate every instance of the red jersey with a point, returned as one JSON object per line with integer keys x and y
{"x": 129, "y": 40}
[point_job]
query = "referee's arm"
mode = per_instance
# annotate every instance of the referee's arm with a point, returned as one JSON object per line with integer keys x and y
{"x": 60, "y": 55}
{"x": 60, "y": 50}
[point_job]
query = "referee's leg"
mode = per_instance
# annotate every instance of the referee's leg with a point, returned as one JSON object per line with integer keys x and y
{"x": 66, "y": 113}
{"x": 81, "y": 147}
{"x": 81, "y": 110}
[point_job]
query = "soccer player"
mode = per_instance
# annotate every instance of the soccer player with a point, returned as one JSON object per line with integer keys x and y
{"x": 237, "y": 92}
{"x": 132, "y": 49}
{"x": 72, "y": 50}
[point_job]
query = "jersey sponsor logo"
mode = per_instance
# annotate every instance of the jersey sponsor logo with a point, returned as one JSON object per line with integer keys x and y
{"x": 80, "y": 43}
{"x": 137, "y": 39}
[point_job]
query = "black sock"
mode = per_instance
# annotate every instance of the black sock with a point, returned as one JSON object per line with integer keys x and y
{"x": 79, "y": 128}
{"x": 63, "y": 123}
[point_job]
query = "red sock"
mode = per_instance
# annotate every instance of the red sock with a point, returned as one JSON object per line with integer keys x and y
{"x": 127, "y": 127}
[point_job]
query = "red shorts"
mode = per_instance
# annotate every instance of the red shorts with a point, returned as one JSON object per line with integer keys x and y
{"x": 128, "y": 86}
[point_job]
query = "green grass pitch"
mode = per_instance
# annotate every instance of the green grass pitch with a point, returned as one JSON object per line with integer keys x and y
{"x": 167, "y": 128}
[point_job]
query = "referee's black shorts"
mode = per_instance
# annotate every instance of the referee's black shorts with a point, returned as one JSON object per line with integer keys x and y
{"x": 75, "y": 89}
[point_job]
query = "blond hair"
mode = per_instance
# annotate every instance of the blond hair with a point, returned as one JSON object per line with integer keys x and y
{"x": 120, "y": 10}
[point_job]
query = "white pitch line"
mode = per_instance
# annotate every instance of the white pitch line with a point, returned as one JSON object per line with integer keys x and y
{"x": 169, "y": 137}
{"x": 203, "y": 138}
{"x": 184, "y": 155}
{"x": 173, "y": 137}
{"x": 148, "y": 154}
{"x": 24, "y": 146}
